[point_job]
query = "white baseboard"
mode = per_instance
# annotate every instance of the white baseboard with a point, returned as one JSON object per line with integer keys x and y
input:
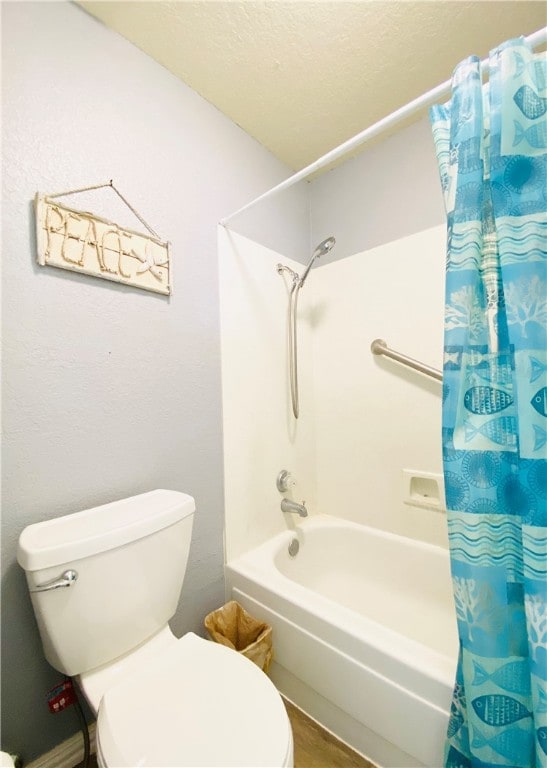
{"x": 67, "y": 754}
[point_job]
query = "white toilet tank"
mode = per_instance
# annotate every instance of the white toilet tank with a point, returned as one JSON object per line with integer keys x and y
{"x": 130, "y": 558}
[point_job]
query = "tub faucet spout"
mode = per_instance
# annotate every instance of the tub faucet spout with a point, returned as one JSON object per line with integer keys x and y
{"x": 291, "y": 506}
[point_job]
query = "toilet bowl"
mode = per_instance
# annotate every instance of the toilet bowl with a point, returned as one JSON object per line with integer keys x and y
{"x": 103, "y": 583}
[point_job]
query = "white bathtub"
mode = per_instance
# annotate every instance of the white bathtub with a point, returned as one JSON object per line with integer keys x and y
{"x": 365, "y": 636}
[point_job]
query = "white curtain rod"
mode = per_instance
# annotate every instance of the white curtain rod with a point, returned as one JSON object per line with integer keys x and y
{"x": 425, "y": 100}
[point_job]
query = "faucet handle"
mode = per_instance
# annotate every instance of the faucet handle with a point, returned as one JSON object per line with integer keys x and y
{"x": 285, "y": 481}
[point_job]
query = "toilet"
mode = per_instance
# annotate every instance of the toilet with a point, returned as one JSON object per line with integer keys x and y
{"x": 104, "y": 583}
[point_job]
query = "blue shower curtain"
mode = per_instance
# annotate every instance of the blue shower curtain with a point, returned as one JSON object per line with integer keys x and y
{"x": 491, "y": 143}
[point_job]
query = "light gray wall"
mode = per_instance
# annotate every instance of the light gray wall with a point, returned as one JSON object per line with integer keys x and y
{"x": 110, "y": 391}
{"x": 281, "y": 223}
{"x": 389, "y": 191}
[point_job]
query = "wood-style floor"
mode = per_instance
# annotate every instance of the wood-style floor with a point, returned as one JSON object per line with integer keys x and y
{"x": 313, "y": 746}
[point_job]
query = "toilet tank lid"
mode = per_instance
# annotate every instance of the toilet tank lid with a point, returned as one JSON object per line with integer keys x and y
{"x": 81, "y": 534}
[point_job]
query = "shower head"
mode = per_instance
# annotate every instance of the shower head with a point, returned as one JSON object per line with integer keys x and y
{"x": 321, "y": 250}
{"x": 324, "y": 247}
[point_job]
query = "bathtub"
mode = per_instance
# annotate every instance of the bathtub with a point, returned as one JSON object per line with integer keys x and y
{"x": 364, "y": 630}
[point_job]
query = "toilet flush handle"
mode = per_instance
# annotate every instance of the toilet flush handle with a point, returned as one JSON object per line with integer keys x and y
{"x": 66, "y": 579}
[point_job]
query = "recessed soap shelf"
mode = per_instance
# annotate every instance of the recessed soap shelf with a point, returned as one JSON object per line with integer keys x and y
{"x": 423, "y": 489}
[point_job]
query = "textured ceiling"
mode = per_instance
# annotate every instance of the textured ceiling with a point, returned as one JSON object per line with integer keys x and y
{"x": 301, "y": 77}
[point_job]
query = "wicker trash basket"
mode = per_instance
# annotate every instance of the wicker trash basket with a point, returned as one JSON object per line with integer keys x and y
{"x": 231, "y": 625}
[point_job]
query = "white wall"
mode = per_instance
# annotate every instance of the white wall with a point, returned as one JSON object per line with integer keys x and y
{"x": 108, "y": 390}
{"x": 363, "y": 419}
{"x": 374, "y": 417}
{"x": 261, "y": 437}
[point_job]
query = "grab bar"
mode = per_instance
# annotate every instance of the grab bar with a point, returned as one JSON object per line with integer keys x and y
{"x": 379, "y": 347}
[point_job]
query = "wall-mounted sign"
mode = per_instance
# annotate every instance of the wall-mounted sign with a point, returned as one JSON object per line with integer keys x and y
{"x": 82, "y": 242}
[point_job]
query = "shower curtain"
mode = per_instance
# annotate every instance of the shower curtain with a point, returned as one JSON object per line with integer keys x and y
{"x": 491, "y": 144}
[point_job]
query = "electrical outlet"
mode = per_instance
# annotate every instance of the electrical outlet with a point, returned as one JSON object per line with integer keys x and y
{"x": 61, "y": 696}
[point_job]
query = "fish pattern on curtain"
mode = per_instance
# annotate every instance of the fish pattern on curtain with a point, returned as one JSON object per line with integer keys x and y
{"x": 491, "y": 144}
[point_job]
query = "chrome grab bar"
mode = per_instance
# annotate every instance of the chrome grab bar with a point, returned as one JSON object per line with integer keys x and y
{"x": 66, "y": 579}
{"x": 379, "y": 347}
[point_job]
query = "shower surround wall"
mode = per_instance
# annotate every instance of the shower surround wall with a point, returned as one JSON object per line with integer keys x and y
{"x": 261, "y": 436}
{"x": 374, "y": 417}
{"x": 108, "y": 390}
{"x": 363, "y": 419}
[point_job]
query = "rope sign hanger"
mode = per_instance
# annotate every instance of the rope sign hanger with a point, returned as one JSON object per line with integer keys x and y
{"x": 117, "y": 191}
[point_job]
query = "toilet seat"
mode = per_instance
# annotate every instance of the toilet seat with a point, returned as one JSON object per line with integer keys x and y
{"x": 198, "y": 704}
